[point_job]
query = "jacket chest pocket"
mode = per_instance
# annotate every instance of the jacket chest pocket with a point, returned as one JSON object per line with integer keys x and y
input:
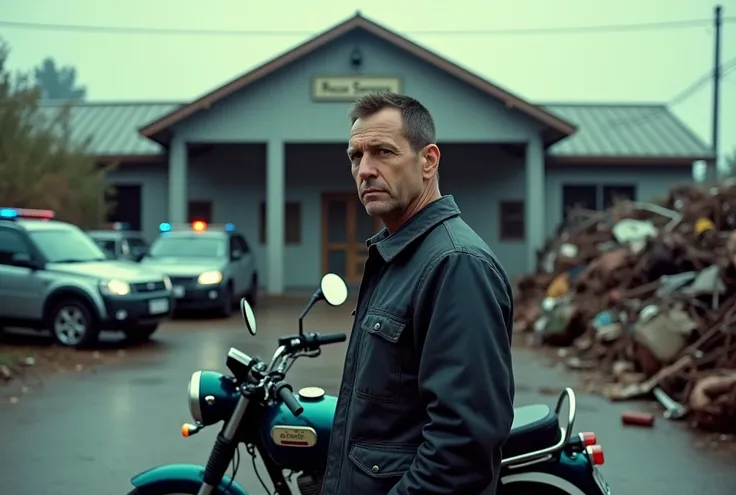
{"x": 378, "y": 375}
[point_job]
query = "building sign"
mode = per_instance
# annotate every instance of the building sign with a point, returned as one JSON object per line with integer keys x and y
{"x": 348, "y": 88}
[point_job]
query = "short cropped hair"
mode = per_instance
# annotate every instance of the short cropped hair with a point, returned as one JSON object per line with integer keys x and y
{"x": 418, "y": 123}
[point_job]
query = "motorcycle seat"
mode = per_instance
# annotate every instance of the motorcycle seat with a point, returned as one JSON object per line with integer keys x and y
{"x": 535, "y": 427}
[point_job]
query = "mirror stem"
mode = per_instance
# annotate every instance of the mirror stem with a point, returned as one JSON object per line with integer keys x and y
{"x": 314, "y": 299}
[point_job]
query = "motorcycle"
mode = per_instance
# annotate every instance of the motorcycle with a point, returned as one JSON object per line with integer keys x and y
{"x": 290, "y": 433}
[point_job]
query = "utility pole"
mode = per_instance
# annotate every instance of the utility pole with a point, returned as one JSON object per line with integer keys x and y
{"x": 712, "y": 174}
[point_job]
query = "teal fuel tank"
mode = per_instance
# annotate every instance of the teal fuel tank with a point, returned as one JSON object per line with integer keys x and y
{"x": 300, "y": 443}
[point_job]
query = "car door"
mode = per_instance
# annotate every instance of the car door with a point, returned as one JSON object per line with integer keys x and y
{"x": 21, "y": 288}
{"x": 236, "y": 266}
{"x": 247, "y": 261}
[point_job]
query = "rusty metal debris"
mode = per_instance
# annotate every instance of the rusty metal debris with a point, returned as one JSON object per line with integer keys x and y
{"x": 645, "y": 293}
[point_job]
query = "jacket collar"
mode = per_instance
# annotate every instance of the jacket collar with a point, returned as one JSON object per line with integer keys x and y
{"x": 390, "y": 245}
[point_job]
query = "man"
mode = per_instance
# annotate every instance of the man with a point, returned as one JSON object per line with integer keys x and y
{"x": 426, "y": 398}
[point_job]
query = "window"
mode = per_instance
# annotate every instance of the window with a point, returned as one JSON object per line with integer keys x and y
{"x": 67, "y": 245}
{"x": 613, "y": 193}
{"x": 108, "y": 246}
{"x": 124, "y": 205}
{"x": 512, "y": 222}
{"x": 11, "y": 244}
{"x": 579, "y": 196}
{"x": 594, "y": 197}
{"x": 292, "y": 223}
{"x": 135, "y": 246}
{"x": 194, "y": 246}
{"x": 241, "y": 244}
{"x": 200, "y": 210}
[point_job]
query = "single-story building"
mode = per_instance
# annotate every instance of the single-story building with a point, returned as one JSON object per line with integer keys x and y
{"x": 266, "y": 151}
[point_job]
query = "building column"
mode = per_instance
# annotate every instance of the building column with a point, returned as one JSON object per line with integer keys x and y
{"x": 178, "y": 176}
{"x": 275, "y": 192}
{"x": 535, "y": 200}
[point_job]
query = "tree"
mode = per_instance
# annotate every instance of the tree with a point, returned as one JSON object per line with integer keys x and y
{"x": 58, "y": 83}
{"x": 41, "y": 166}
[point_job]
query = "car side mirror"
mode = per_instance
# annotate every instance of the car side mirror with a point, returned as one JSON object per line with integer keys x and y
{"x": 236, "y": 255}
{"x": 24, "y": 260}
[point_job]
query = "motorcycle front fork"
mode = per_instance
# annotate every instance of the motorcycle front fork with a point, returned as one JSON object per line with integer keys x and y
{"x": 223, "y": 450}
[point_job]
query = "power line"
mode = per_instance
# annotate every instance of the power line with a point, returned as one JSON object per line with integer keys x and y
{"x": 606, "y": 28}
{"x": 728, "y": 67}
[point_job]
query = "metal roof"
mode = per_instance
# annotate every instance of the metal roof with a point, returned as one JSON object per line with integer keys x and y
{"x": 605, "y": 130}
{"x": 625, "y": 130}
{"x": 114, "y": 126}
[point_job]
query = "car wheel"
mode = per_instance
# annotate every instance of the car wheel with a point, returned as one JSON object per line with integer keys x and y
{"x": 72, "y": 324}
{"x": 141, "y": 334}
{"x": 252, "y": 295}
{"x": 227, "y": 302}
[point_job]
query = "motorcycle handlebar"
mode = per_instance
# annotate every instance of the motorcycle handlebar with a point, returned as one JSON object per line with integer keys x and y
{"x": 332, "y": 338}
{"x": 310, "y": 341}
{"x": 284, "y": 392}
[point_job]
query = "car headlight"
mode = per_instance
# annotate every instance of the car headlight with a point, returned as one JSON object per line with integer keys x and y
{"x": 167, "y": 282}
{"x": 115, "y": 288}
{"x": 210, "y": 278}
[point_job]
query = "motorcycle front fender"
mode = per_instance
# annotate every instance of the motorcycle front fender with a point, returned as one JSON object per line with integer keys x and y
{"x": 182, "y": 478}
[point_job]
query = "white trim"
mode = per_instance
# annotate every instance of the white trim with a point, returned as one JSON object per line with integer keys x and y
{"x": 544, "y": 479}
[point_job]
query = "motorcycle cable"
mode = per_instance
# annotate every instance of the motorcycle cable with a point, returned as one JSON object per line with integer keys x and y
{"x": 252, "y": 451}
{"x": 236, "y": 465}
{"x": 310, "y": 354}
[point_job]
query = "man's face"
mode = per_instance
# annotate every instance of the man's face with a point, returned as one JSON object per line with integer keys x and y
{"x": 387, "y": 172}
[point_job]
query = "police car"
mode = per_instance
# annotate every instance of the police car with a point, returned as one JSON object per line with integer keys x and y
{"x": 53, "y": 276}
{"x": 210, "y": 266}
{"x": 119, "y": 242}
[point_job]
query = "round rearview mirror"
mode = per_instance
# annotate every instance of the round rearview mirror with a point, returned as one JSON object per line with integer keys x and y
{"x": 334, "y": 289}
{"x": 248, "y": 317}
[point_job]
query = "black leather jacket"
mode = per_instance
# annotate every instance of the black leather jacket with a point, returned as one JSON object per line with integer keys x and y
{"x": 426, "y": 399}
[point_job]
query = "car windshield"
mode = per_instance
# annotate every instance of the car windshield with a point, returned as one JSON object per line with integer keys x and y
{"x": 188, "y": 247}
{"x": 67, "y": 246}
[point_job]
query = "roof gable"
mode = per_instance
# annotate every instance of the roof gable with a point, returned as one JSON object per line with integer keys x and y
{"x": 159, "y": 129}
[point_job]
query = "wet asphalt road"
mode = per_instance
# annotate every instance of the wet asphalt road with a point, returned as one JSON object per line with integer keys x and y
{"x": 88, "y": 433}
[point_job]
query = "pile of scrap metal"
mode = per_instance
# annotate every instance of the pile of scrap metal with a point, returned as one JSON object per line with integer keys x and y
{"x": 646, "y": 293}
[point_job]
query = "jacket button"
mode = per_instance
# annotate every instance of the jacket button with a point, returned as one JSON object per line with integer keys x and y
{"x": 375, "y": 469}
{"x": 377, "y": 326}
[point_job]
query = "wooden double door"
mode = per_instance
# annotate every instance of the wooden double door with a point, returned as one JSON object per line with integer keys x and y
{"x": 345, "y": 228}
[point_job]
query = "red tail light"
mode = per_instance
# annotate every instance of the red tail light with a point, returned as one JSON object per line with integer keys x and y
{"x": 588, "y": 438}
{"x": 595, "y": 454}
{"x": 35, "y": 213}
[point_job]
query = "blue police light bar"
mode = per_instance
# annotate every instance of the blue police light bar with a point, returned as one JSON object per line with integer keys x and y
{"x": 8, "y": 213}
{"x": 13, "y": 213}
{"x": 197, "y": 225}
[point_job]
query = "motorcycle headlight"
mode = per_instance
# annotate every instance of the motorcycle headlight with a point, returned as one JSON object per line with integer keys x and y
{"x": 210, "y": 278}
{"x": 212, "y": 397}
{"x": 114, "y": 288}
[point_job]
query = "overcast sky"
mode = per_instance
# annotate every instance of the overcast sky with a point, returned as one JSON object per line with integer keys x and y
{"x": 629, "y": 66}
